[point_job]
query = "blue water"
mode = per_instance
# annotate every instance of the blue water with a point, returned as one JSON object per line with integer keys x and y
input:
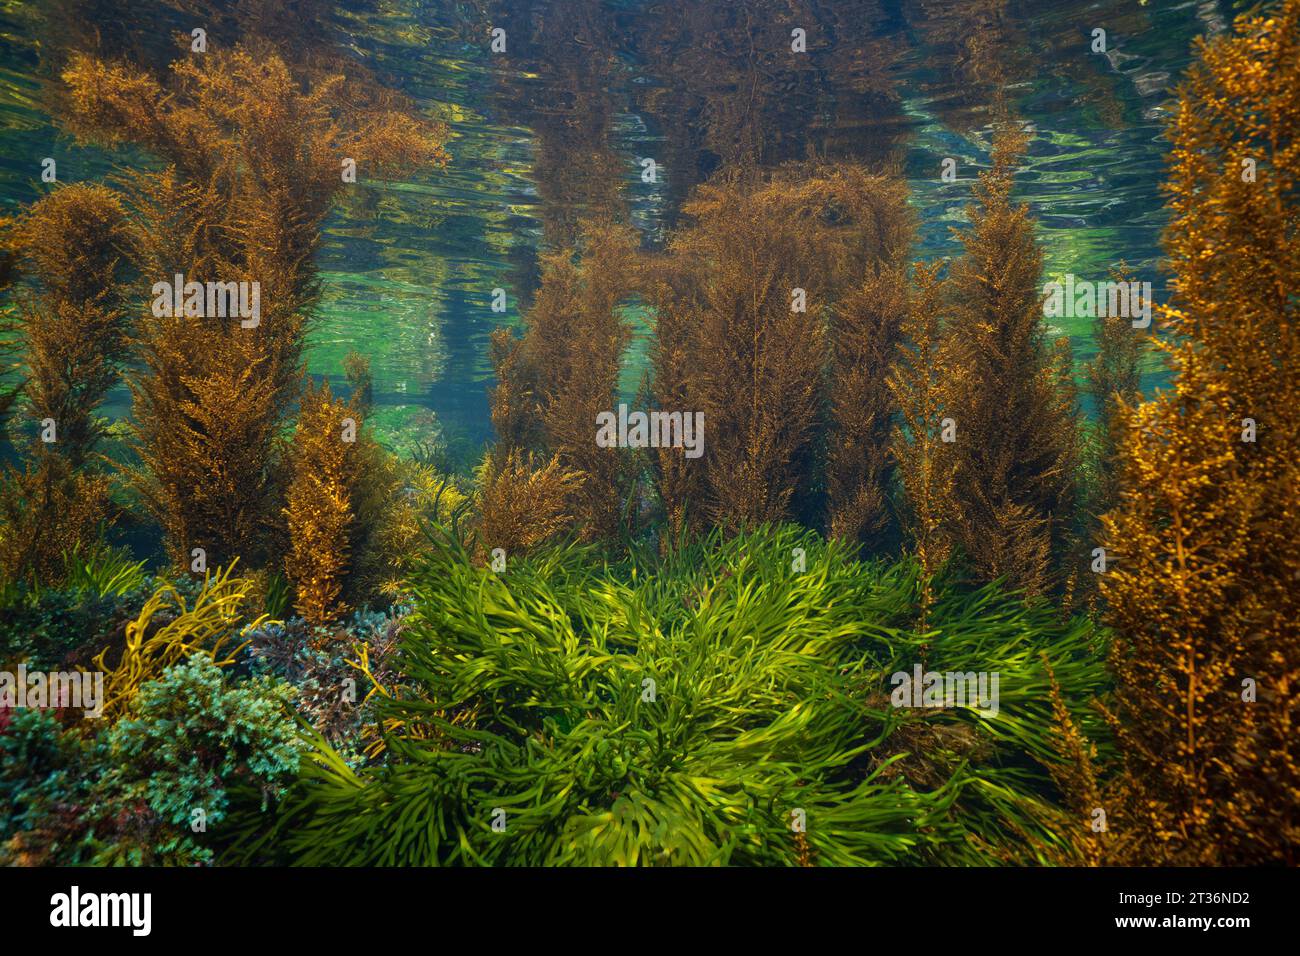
{"x": 593, "y": 88}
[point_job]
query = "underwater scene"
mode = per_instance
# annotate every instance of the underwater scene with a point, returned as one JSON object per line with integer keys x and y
{"x": 591, "y": 433}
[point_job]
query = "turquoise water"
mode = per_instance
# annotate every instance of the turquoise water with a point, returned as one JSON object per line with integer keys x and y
{"x": 588, "y": 89}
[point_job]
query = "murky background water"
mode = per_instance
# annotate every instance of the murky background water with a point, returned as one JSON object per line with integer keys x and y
{"x": 560, "y": 124}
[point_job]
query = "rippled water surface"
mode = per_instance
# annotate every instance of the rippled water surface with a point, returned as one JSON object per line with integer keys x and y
{"x": 590, "y": 89}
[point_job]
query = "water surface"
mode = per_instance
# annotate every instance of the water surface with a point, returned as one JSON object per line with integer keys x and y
{"x": 560, "y": 124}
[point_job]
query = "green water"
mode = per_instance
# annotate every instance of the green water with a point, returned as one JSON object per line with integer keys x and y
{"x": 589, "y": 89}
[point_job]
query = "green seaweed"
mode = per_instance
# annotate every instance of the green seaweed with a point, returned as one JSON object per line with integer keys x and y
{"x": 525, "y": 700}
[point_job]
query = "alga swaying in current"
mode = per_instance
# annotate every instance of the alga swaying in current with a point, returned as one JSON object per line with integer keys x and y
{"x": 254, "y": 162}
{"x": 354, "y": 650}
